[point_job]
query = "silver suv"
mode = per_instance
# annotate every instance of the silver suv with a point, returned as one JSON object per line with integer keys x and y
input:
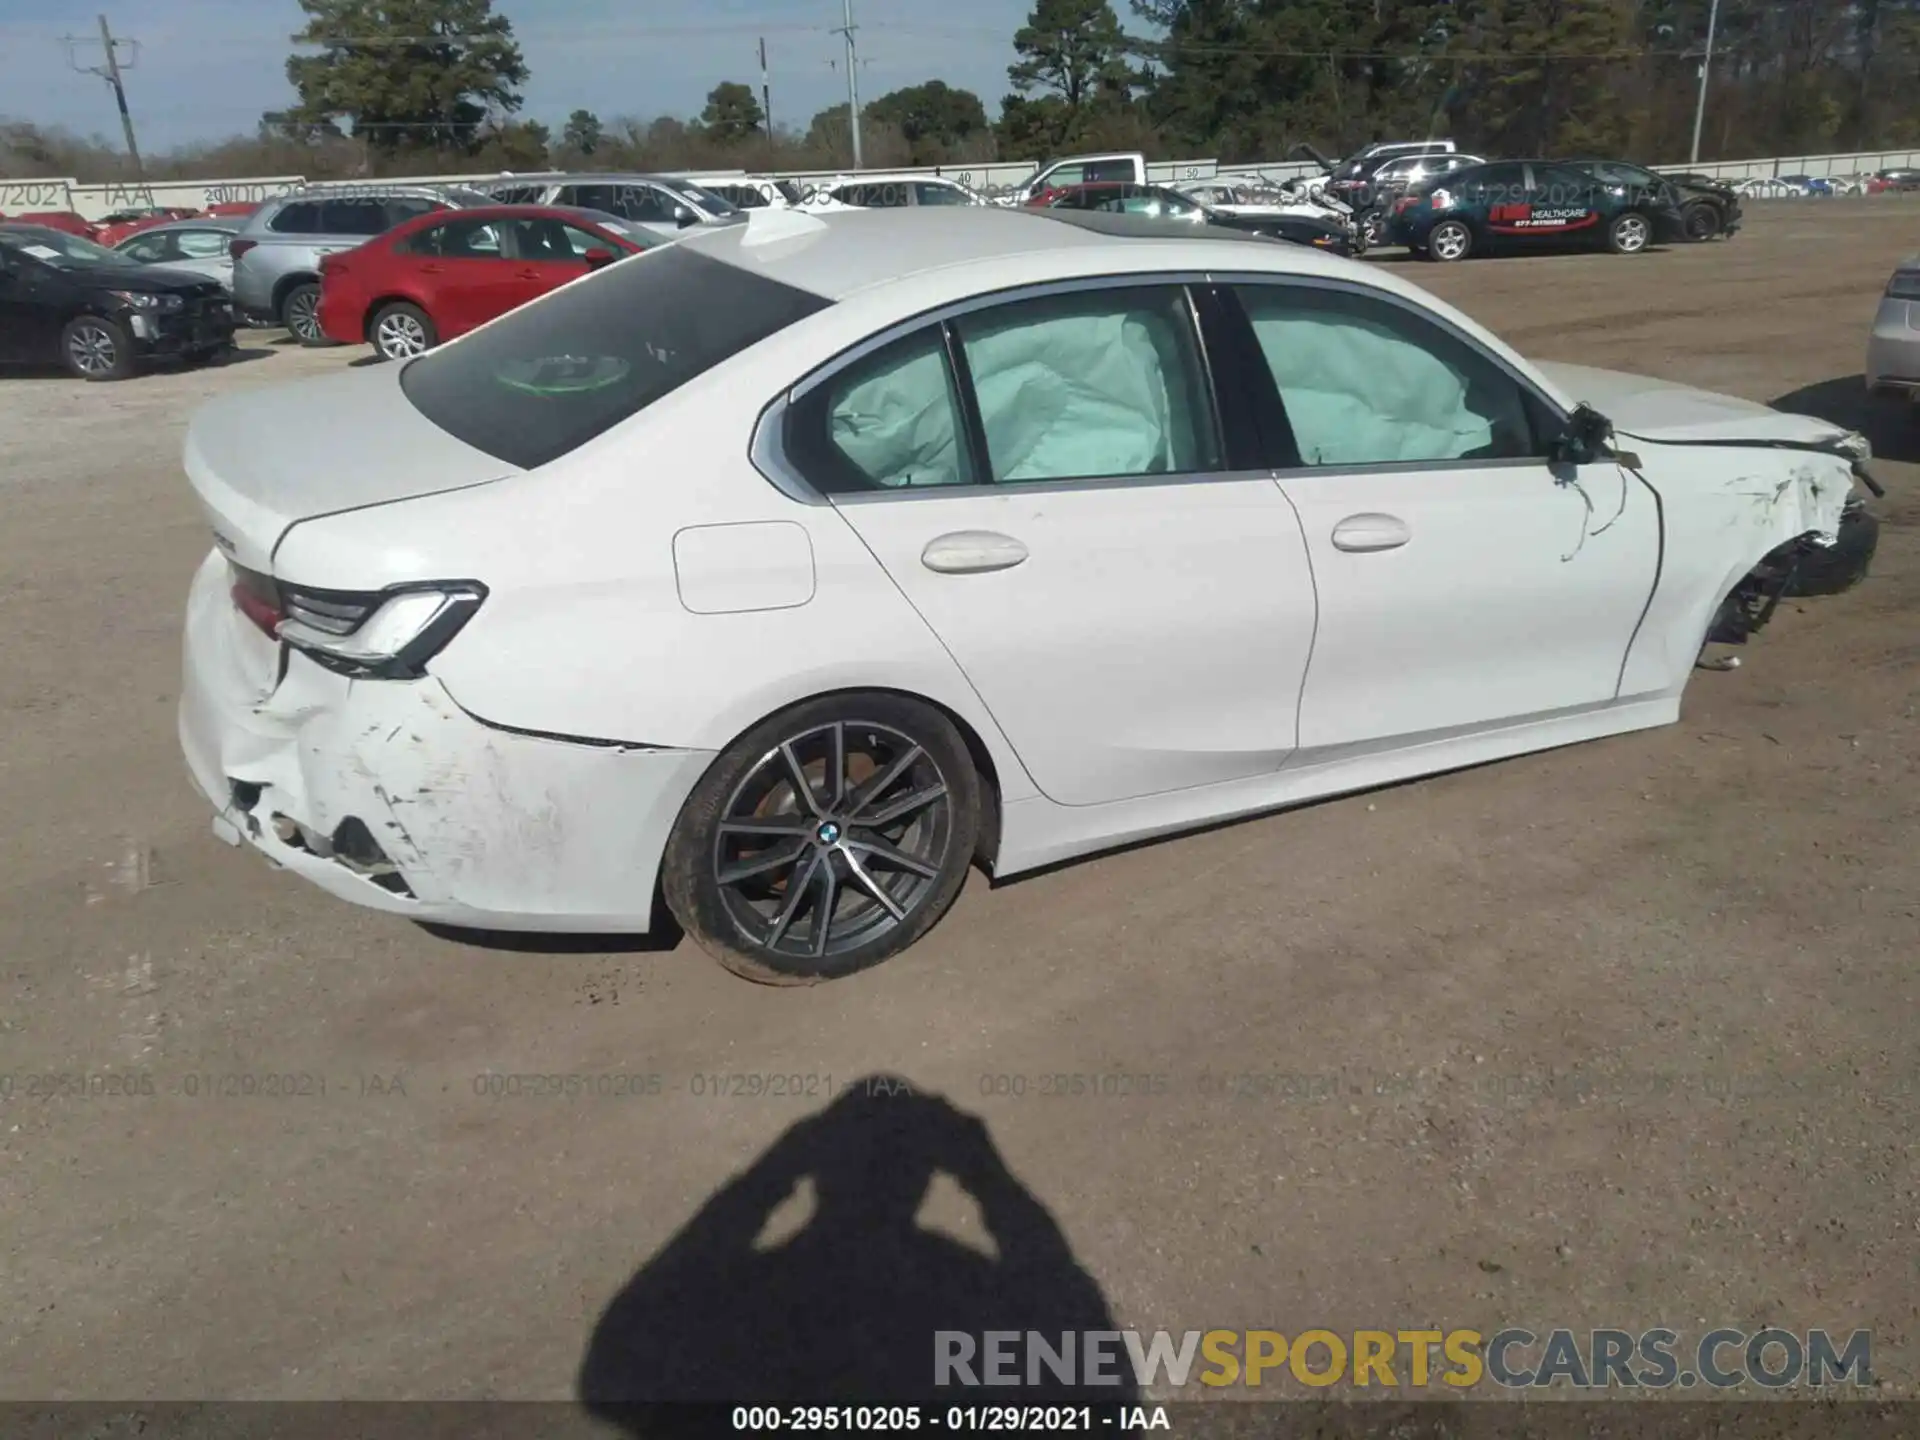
{"x": 276, "y": 255}
{"x": 662, "y": 205}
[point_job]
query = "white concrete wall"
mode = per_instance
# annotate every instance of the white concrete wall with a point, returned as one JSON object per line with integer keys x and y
{"x": 96, "y": 201}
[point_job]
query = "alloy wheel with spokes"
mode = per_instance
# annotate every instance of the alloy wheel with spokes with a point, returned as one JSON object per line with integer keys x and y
{"x": 300, "y": 313}
{"x": 1449, "y": 241}
{"x": 93, "y": 349}
{"x": 826, "y": 840}
{"x": 1629, "y": 234}
{"x": 400, "y": 332}
{"x": 96, "y": 347}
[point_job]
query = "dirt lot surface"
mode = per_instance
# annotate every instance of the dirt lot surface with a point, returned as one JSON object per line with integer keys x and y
{"x": 1620, "y": 1036}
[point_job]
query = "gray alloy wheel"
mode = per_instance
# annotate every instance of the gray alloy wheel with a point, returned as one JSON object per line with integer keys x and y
{"x": 825, "y": 840}
{"x": 1629, "y": 234}
{"x": 1449, "y": 240}
{"x": 400, "y": 332}
{"x": 96, "y": 349}
{"x": 1373, "y": 227}
{"x": 300, "y": 313}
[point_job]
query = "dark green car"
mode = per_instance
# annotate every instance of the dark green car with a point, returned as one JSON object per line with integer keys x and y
{"x": 1530, "y": 205}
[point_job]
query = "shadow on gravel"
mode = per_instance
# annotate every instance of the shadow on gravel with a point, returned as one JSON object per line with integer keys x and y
{"x": 1890, "y": 423}
{"x": 843, "y": 1308}
{"x": 662, "y": 938}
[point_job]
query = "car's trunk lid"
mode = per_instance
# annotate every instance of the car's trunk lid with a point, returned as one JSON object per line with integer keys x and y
{"x": 263, "y": 461}
{"x": 1665, "y": 413}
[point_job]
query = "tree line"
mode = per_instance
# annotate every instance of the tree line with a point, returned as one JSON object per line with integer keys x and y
{"x": 423, "y": 86}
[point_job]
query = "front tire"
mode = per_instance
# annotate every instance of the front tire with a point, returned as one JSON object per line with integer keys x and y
{"x": 1372, "y": 226}
{"x": 93, "y": 347}
{"x": 1629, "y": 234}
{"x": 1449, "y": 241}
{"x": 401, "y": 331}
{"x": 826, "y": 839}
{"x": 1702, "y": 221}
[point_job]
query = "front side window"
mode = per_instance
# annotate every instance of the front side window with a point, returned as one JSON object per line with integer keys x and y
{"x": 146, "y": 250}
{"x": 543, "y": 240}
{"x": 202, "y": 244}
{"x": 517, "y": 194}
{"x": 1367, "y": 382}
{"x": 646, "y": 205}
{"x": 928, "y": 194}
{"x": 547, "y": 378}
{"x": 1090, "y": 384}
{"x": 589, "y": 197}
{"x": 403, "y": 208}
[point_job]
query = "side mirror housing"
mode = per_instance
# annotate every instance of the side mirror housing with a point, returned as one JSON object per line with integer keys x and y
{"x": 1585, "y": 438}
{"x": 597, "y": 257}
{"x": 683, "y": 217}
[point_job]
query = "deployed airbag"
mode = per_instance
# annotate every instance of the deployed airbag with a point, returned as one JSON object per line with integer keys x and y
{"x": 1359, "y": 394}
{"x": 1077, "y": 395}
{"x": 899, "y": 425}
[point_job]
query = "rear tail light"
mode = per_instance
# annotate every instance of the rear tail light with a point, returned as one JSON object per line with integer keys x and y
{"x": 1405, "y": 203}
{"x": 378, "y": 634}
{"x": 237, "y": 248}
{"x": 1905, "y": 285}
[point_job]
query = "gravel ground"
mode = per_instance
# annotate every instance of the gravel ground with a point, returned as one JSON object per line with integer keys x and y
{"x": 1616, "y": 1036}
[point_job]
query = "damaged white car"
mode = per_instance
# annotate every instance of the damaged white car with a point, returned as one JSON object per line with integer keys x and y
{"x": 775, "y": 577}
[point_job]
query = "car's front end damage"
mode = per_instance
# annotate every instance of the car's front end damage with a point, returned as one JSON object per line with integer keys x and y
{"x": 1757, "y": 505}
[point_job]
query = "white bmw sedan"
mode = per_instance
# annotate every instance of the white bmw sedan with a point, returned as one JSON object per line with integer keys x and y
{"x": 775, "y": 577}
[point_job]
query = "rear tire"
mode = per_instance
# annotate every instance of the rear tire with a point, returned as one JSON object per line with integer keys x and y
{"x": 93, "y": 347}
{"x": 399, "y": 331}
{"x": 777, "y": 880}
{"x": 1629, "y": 234}
{"x": 1449, "y": 241}
{"x": 300, "y": 314}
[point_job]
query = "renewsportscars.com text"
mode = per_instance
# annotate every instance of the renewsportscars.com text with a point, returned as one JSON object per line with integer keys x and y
{"x": 1512, "y": 1358}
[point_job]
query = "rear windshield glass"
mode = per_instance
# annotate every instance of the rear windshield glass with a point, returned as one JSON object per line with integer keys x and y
{"x": 549, "y": 378}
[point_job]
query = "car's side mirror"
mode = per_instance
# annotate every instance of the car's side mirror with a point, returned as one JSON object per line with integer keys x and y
{"x": 683, "y": 217}
{"x": 1585, "y": 437}
{"x": 597, "y": 257}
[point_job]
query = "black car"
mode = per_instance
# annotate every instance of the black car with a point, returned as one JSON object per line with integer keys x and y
{"x": 1529, "y": 204}
{"x": 1707, "y": 209}
{"x": 1122, "y": 197}
{"x": 67, "y": 300}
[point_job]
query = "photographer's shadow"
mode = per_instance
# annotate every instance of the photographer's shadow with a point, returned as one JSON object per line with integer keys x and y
{"x": 846, "y": 1309}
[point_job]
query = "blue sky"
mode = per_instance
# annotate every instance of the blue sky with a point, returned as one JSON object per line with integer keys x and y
{"x": 208, "y": 68}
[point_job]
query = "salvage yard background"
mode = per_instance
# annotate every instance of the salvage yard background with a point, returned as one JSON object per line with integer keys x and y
{"x": 1709, "y": 927}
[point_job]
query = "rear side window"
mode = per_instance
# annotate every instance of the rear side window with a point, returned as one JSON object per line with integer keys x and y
{"x": 1109, "y": 170}
{"x": 518, "y": 194}
{"x": 925, "y": 194}
{"x": 352, "y": 217}
{"x": 300, "y": 218}
{"x": 548, "y": 378}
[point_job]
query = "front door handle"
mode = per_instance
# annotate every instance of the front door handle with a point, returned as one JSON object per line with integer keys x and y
{"x": 1365, "y": 533}
{"x": 432, "y": 269}
{"x": 527, "y": 273}
{"x": 972, "y": 552}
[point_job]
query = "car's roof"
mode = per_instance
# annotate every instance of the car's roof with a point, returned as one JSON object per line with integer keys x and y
{"x": 14, "y": 227}
{"x": 837, "y": 253}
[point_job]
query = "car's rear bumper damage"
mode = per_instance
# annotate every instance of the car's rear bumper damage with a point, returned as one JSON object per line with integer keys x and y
{"x": 389, "y": 795}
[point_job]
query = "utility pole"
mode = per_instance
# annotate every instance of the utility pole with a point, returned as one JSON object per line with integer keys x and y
{"x": 110, "y": 72}
{"x": 853, "y": 84}
{"x": 766, "y": 92}
{"x": 1706, "y": 61}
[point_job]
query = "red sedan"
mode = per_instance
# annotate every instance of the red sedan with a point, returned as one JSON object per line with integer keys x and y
{"x": 444, "y": 273}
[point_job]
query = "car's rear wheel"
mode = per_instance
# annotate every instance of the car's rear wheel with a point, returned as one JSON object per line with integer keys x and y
{"x": 826, "y": 839}
{"x": 400, "y": 331}
{"x": 1702, "y": 221}
{"x": 1629, "y": 234}
{"x": 300, "y": 314}
{"x": 96, "y": 348}
{"x": 1449, "y": 241}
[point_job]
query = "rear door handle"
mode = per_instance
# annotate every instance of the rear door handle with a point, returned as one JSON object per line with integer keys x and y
{"x": 431, "y": 269}
{"x": 527, "y": 273}
{"x": 1365, "y": 533}
{"x": 972, "y": 552}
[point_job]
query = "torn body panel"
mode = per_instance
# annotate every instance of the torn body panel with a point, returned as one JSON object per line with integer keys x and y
{"x": 389, "y": 795}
